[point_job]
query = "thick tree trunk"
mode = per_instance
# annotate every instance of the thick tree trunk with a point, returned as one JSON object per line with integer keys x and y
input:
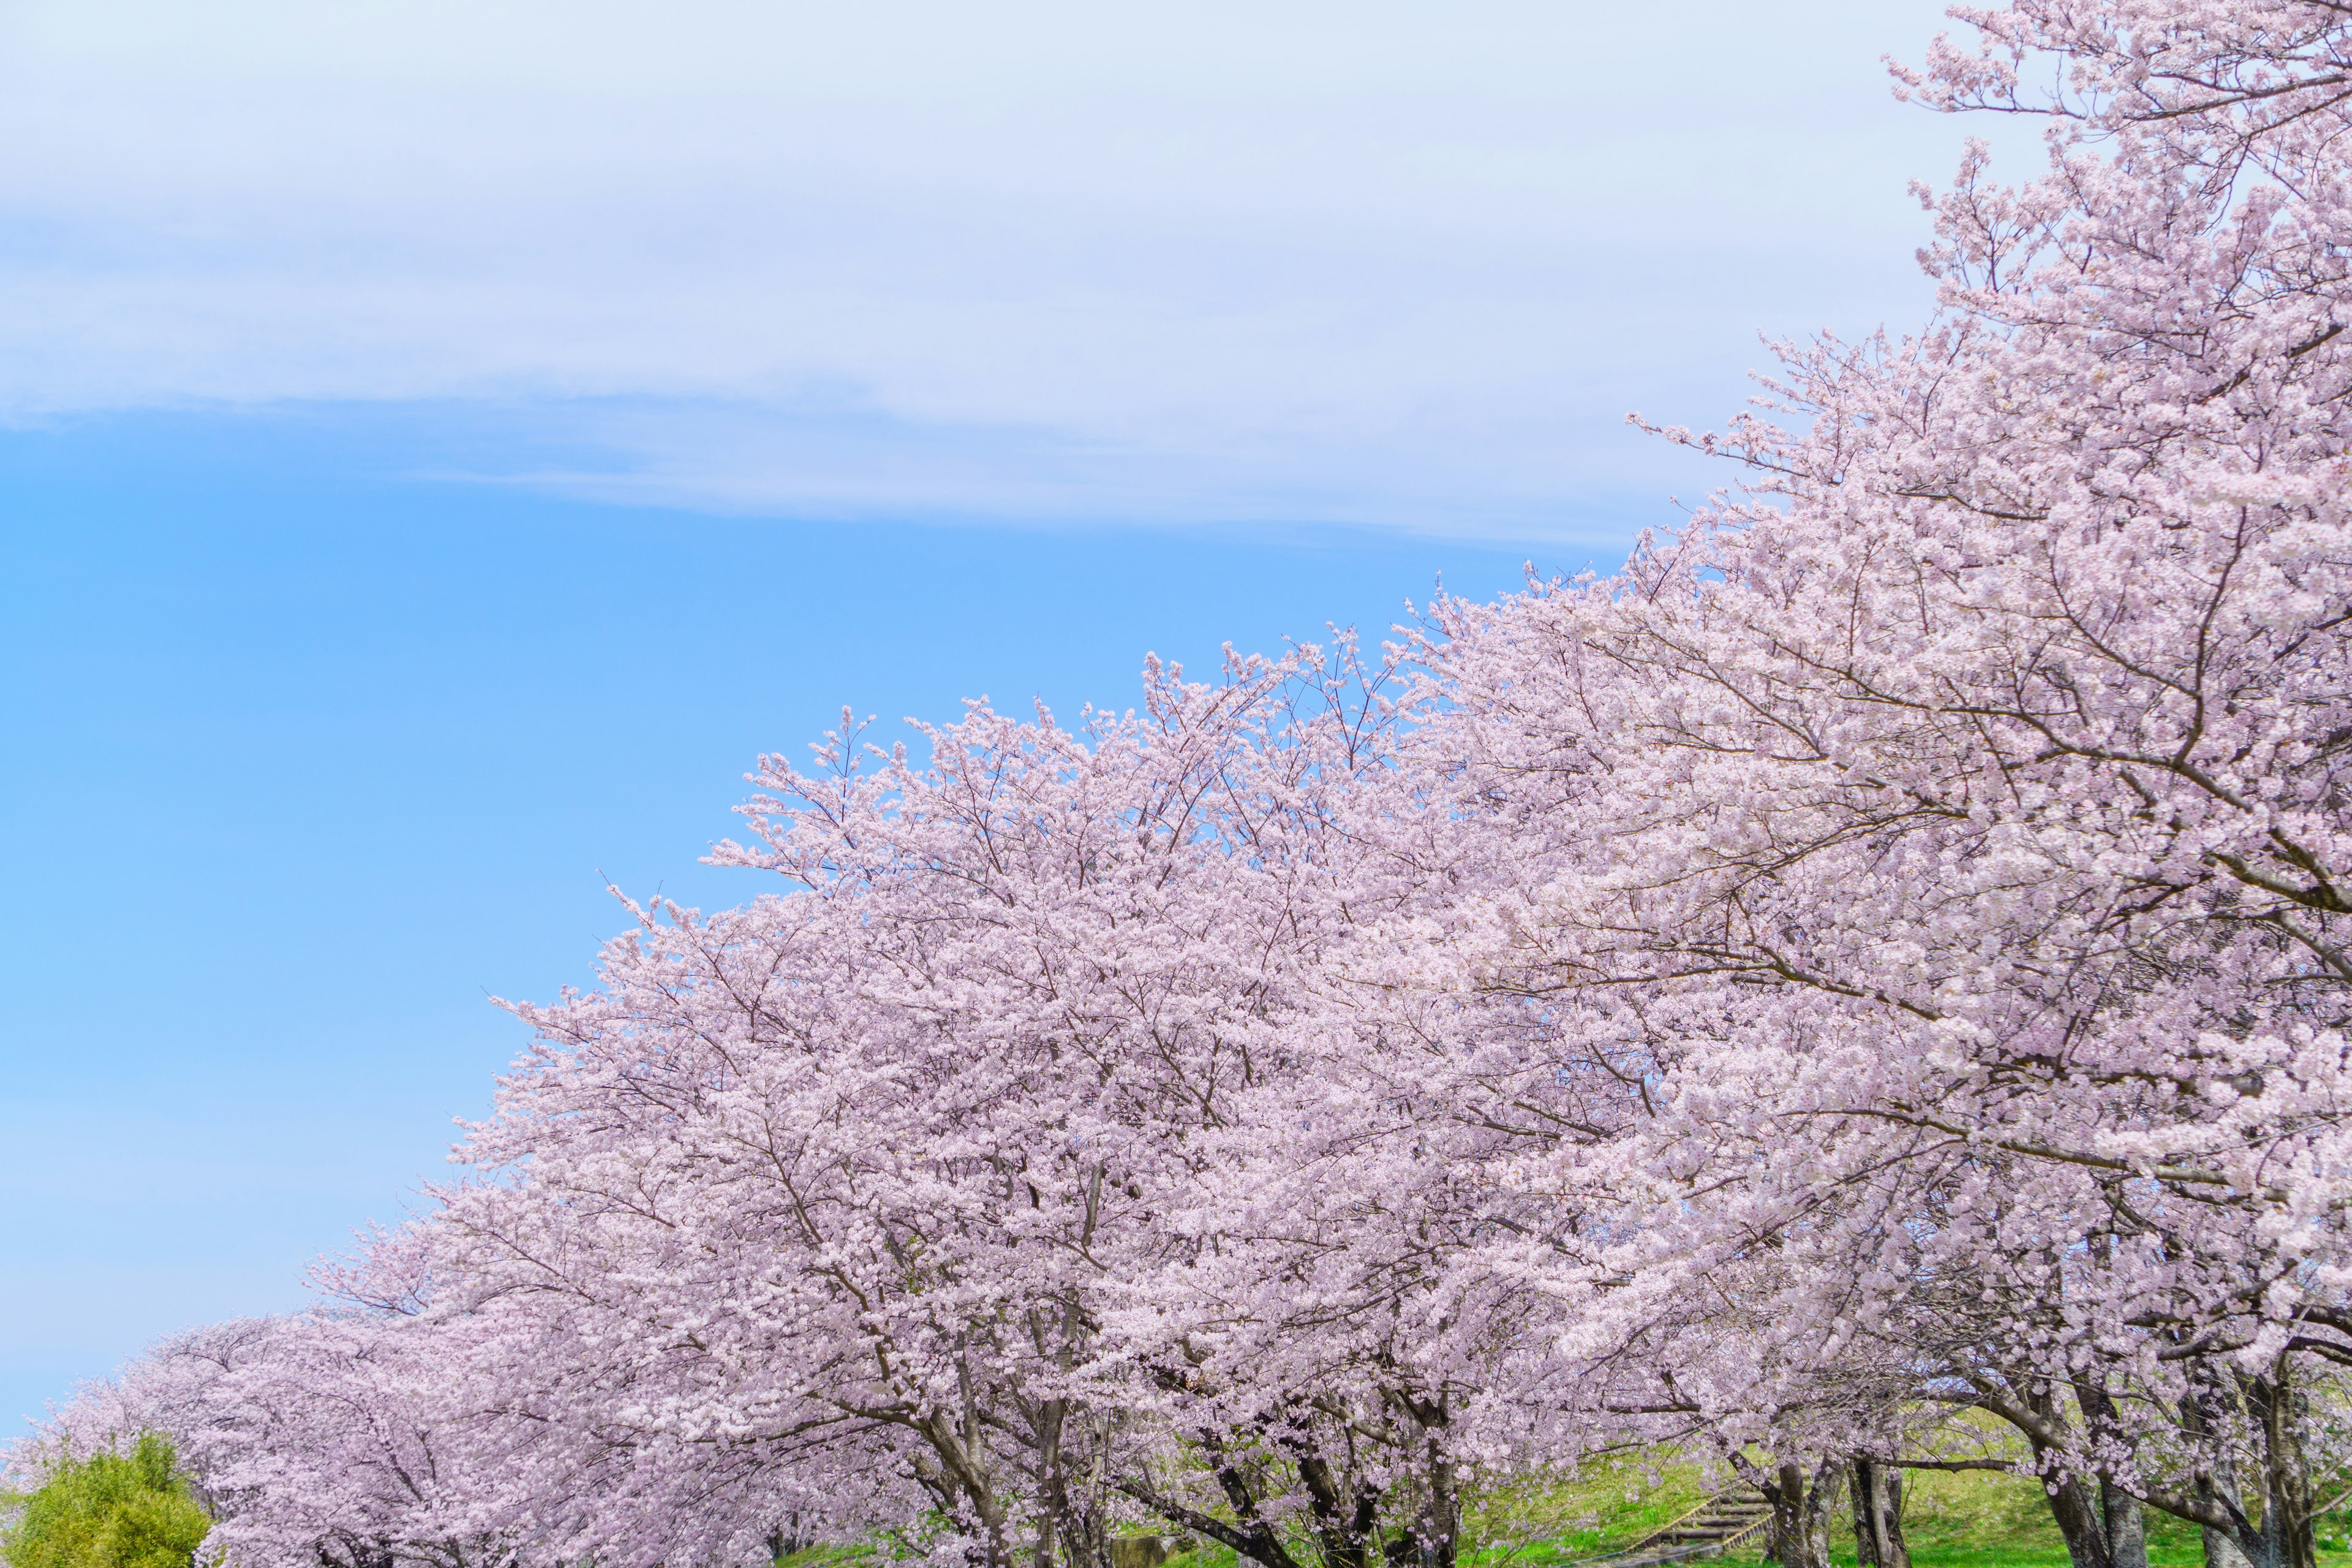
{"x": 2126, "y": 1526}
{"x": 2221, "y": 1549}
{"x": 2075, "y": 1506}
{"x": 1878, "y": 1516}
{"x": 2122, "y": 1520}
{"x": 2205, "y": 1416}
{"x": 1801, "y": 1506}
{"x": 1441, "y": 1520}
{"x": 1785, "y": 1492}
{"x": 2286, "y": 1502}
{"x": 1053, "y": 1495}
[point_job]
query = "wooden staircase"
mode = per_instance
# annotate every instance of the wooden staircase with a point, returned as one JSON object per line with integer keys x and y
{"x": 1709, "y": 1530}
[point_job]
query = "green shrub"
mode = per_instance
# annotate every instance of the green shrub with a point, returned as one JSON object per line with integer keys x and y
{"x": 108, "y": 1511}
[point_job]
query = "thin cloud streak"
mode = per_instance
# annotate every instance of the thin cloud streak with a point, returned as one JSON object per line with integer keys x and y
{"x": 1374, "y": 264}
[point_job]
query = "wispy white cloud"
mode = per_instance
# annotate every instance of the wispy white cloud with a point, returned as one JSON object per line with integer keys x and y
{"x": 1392, "y": 262}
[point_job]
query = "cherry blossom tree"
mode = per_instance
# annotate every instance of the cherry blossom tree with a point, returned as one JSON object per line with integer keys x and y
{"x": 1957, "y": 815}
{"x": 876, "y": 1161}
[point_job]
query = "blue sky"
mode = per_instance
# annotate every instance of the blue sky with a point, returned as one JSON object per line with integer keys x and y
{"x": 441, "y": 445}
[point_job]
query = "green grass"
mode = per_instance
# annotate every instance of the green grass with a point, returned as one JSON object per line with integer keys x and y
{"x": 1607, "y": 1505}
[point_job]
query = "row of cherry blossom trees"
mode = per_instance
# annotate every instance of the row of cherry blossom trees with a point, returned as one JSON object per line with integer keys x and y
{"x": 1869, "y": 973}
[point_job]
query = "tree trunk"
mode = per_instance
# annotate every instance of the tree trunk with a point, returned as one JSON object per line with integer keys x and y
{"x": 1801, "y": 1506}
{"x": 2075, "y": 1506}
{"x": 2123, "y": 1522}
{"x": 2286, "y": 1502}
{"x": 1785, "y": 1492}
{"x": 2205, "y": 1416}
{"x": 1878, "y": 1516}
{"x": 2126, "y": 1526}
{"x": 2221, "y": 1549}
{"x": 1441, "y": 1527}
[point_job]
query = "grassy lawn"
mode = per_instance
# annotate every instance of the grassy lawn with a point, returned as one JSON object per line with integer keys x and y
{"x": 1607, "y": 1506}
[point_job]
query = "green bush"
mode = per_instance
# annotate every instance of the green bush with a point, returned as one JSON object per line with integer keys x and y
{"x": 108, "y": 1511}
